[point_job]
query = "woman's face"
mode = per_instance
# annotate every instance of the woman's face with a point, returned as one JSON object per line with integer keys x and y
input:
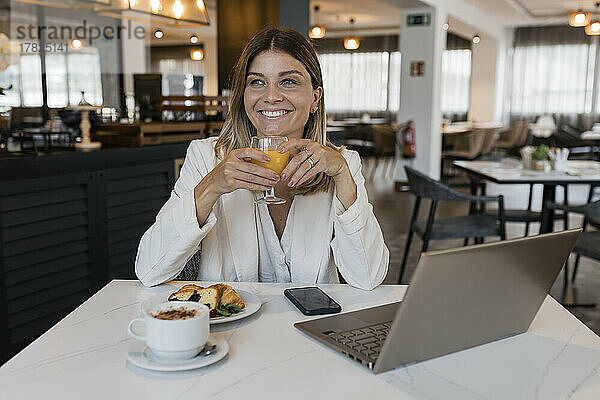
{"x": 279, "y": 96}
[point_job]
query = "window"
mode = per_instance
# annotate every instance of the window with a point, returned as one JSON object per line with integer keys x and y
{"x": 31, "y": 82}
{"x": 552, "y": 79}
{"x": 456, "y": 76}
{"x": 56, "y": 78}
{"x": 83, "y": 70}
{"x": 360, "y": 81}
{"x": 394, "y": 82}
{"x": 66, "y": 76}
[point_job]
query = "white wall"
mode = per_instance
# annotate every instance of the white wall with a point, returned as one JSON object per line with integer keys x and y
{"x": 484, "y": 71}
{"x": 420, "y": 96}
{"x": 134, "y": 52}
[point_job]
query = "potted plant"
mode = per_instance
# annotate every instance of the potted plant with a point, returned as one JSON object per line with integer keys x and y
{"x": 540, "y": 158}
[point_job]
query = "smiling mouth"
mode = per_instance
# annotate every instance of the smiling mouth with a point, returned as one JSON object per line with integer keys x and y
{"x": 274, "y": 114}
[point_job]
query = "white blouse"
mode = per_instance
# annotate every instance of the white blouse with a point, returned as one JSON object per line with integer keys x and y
{"x": 273, "y": 256}
{"x": 238, "y": 240}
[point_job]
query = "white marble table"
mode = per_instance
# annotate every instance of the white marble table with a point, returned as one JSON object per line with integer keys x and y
{"x": 510, "y": 171}
{"x": 83, "y": 357}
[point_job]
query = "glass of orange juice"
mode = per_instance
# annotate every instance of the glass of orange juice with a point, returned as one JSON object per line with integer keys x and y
{"x": 269, "y": 145}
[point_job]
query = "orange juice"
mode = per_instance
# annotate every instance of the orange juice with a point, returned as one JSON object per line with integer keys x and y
{"x": 277, "y": 163}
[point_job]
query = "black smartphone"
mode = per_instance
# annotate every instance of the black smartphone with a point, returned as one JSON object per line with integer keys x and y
{"x": 312, "y": 301}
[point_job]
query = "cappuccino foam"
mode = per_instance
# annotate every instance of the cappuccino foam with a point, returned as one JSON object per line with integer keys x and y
{"x": 176, "y": 313}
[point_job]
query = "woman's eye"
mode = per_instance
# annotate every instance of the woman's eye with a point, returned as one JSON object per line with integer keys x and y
{"x": 288, "y": 81}
{"x": 255, "y": 82}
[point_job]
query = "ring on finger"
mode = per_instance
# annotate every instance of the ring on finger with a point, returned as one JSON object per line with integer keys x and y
{"x": 311, "y": 161}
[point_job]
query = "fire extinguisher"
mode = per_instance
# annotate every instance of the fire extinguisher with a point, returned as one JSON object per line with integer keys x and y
{"x": 408, "y": 135}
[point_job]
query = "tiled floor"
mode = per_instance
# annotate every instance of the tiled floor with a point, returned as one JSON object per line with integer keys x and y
{"x": 393, "y": 210}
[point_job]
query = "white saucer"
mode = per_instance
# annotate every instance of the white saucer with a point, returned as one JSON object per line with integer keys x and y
{"x": 141, "y": 356}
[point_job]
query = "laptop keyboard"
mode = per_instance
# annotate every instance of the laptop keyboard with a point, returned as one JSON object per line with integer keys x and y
{"x": 367, "y": 340}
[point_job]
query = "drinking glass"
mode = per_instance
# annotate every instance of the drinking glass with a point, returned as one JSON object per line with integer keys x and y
{"x": 269, "y": 145}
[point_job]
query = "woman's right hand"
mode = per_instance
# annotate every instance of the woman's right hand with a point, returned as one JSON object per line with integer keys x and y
{"x": 236, "y": 172}
{"x": 232, "y": 173}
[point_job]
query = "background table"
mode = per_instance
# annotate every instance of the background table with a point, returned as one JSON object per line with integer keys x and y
{"x": 509, "y": 171}
{"x": 83, "y": 357}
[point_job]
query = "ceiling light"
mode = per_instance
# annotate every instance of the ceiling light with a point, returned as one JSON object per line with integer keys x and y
{"x": 76, "y": 44}
{"x": 351, "y": 43}
{"x": 177, "y": 9}
{"x": 579, "y": 18}
{"x": 158, "y": 34}
{"x": 197, "y": 55}
{"x": 593, "y": 28}
{"x": 193, "y": 39}
{"x": 445, "y": 26}
{"x": 476, "y": 39}
{"x": 180, "y": 13}
{"x": 155, "y": 6}
{"x": 317, "y": 31}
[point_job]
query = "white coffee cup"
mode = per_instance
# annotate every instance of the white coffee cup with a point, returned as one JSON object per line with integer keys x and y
{"x": 175, "y": 338}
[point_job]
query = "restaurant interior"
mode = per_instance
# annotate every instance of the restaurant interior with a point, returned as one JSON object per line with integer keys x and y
{"x": 99, "y": 100}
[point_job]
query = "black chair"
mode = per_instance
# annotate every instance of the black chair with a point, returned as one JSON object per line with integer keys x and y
{"x": 590, "y": 219}
{"x": 191, "y": 269}
{"x": 588, "y": 244}
{"x": 569, "y": 137}
{"x": 527, "y": 215}
{"x": 475, "y": 225}
{"x": 384, "y": 138}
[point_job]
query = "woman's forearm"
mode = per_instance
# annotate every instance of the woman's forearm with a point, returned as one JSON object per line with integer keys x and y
{"x": 345, "y": 188}
{"x": 205, "y": 198}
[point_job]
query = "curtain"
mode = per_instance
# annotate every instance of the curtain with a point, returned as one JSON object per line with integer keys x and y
{"x": 83, "y": 71}
{"x": 67, "y": 74}
{"x": 31, "y": 80}
{"x": 552, "y": 73}
{"x": 456, "y": 77}
{"x": 356, "y": 82}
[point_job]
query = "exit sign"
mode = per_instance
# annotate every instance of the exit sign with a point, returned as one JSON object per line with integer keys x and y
{"x": 418, "y": 19}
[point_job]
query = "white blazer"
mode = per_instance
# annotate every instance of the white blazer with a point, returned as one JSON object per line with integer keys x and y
{"x": 324, "y": 234}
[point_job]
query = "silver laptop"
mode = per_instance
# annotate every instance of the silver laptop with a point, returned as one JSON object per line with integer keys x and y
{"x": 458, "y": 298}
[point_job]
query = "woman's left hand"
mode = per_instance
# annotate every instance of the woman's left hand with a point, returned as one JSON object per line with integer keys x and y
{"x": 308, "y": 159}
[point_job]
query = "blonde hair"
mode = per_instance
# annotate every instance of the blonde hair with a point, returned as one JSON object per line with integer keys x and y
{"x": 238, "y": 130}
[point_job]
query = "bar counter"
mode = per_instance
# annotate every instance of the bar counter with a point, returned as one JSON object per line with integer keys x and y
{"x": 69, "y": 223}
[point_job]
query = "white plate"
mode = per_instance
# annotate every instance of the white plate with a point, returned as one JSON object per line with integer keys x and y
{"x": 250, "y": 299}
{"x": 252, "y": 305}
{"x": 141, "y": 356}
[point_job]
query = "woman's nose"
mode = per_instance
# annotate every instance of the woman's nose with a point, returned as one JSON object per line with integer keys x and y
{"x": 273, "y": 95}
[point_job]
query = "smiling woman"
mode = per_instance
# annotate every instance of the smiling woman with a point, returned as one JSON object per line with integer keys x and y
{"x": 279, "y": 100}
{"x": 325, "y": 226}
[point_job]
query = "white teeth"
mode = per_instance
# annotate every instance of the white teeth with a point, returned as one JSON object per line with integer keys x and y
{"x": 274, "y": 114}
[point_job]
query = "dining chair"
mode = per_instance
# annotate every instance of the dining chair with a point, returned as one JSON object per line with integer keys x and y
{"x": 588, "y": 244}
{"x": 489, "y": 140}
{"x": 475, "y": 225}
{"x": 588, "y": 220}
{"x": 514, "y": 137}
{"x": 570, "y": 138}
{"x": 526, "y": 216}
{"x": 384, "y": 138}
{"x": 466, "y": 146}
{"x": 360, "y": 139}
{"x": 191, "y": 269}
